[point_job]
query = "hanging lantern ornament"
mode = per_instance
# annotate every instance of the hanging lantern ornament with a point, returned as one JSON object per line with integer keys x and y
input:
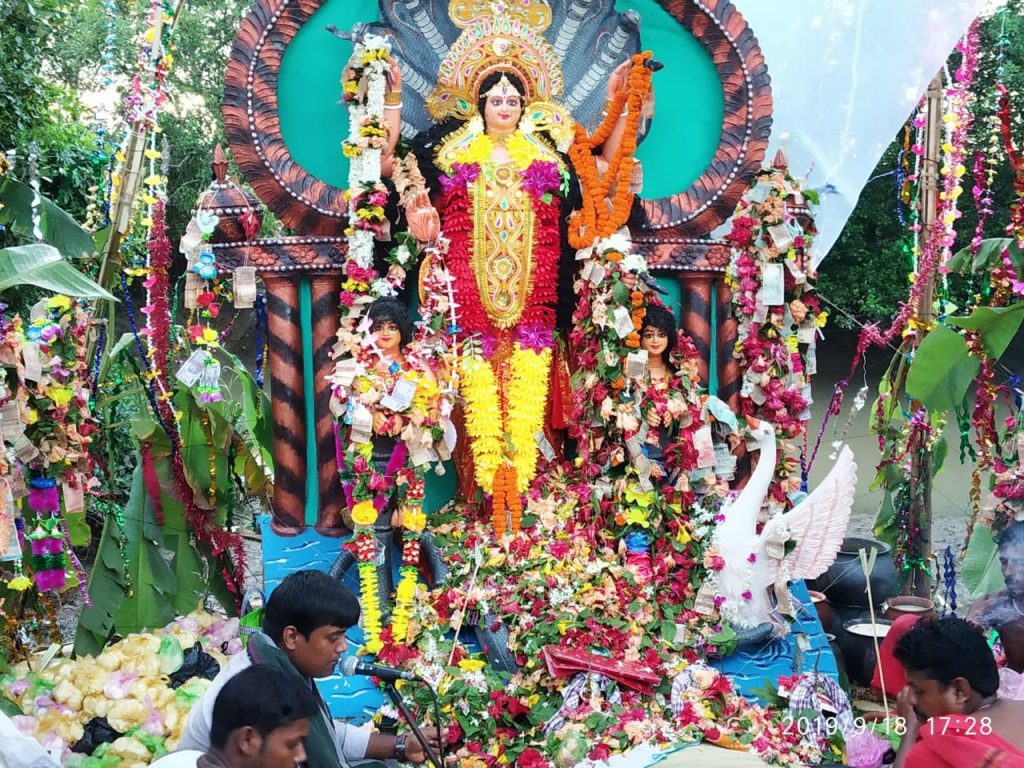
{"x": 206, "y": 265}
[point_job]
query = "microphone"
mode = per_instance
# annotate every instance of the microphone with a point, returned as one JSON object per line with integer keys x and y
{"x": 653, "y": 65}
{"x": 353, "y": 666}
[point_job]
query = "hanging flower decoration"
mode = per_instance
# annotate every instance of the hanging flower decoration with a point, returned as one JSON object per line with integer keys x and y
{"x": 47, "y": 419}
{"x": 358, "y": 382}
{"x": 771, "y": 274}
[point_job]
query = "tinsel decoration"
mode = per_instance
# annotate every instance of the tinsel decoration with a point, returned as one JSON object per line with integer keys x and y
{"x": 43, "y": 496}
{"x": 48, "y": 559}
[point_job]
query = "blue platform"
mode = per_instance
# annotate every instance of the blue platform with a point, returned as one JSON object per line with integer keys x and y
{"x": 356, "y": 698}
{"x": 751, "y": 669}
{"x": 352, "y": 698}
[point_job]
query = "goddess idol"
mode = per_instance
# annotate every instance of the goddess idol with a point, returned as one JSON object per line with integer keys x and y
{"x": 508, "y": 198}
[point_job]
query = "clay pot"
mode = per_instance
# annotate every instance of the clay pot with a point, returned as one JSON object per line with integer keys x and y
{"x": 822, "y": 607}
{"x": 843, "y": 582}
{"x": 903, "y": 605}
{"x": 858, "y": 648}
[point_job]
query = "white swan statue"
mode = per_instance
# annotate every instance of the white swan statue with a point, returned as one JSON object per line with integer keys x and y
{"x": 755, "y": 562}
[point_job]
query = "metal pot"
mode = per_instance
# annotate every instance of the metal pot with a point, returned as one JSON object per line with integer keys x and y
{"x": 858, "y": 647}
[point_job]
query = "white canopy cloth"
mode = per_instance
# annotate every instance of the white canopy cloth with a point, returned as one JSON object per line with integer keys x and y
{"x": 846, "y": 74}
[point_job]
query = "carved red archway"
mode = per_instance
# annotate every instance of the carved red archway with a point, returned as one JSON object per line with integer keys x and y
{"x": 674, "y": 238}
{"x": 675, "y": 223}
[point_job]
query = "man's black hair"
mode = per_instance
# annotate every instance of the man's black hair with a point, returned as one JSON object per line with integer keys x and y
{"x": 492, "y": 80}
{"x": 309, "y": 600}
{"x": 262, "y": 698}
{"x": 384, "y": 310}
{"x": 947, "y": 648}
{"x": 665, "y": 321}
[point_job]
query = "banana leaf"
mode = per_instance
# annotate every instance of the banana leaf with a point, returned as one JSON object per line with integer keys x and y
{"x": 58, "y": 228}
{"x": 107, "y": 583}
{"x": 989, "y": 255}
{"x": 982, "y": 572}
{"x": 997, "y": 326}
{"x": 189, "y": 567}
{"x": 942, "y": 370}
{"x": 42, "y": 265}
{"x": 153, "y": 584}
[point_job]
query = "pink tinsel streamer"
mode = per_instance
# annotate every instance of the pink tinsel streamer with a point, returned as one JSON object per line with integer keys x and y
{"x": 152, "y": 483}
{"x": 83, "y": 579}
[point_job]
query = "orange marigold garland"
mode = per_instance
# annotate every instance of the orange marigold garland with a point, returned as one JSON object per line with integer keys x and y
{"x": 507, "y": 508}
{"x": 596, "y": 219}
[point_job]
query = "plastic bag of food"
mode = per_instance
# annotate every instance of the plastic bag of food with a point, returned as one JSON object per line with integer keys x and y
{"x": 197, "y": 663}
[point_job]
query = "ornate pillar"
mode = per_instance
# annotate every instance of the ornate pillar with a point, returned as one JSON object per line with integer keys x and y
{"x": 696, "y": 288}
{"x": 287, "y": 404}
{"x": 325, "y": 291}
{"x": 730, "y": 375}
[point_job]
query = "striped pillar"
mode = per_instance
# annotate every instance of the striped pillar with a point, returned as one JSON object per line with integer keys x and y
{"x": 324, "y": 299}
{"x": 287, "y": 406}
{"x": 730, "y": 376}
{"x": 695, "y": 316}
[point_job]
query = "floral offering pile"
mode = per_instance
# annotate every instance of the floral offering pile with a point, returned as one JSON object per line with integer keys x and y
{"x": 562, "y": 590}
{"x": 138, "y": 685}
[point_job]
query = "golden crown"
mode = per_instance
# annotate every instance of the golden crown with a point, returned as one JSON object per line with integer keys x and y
{"x": 498, "y": 35}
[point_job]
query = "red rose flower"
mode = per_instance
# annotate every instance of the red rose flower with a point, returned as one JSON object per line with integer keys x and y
{"x": 531, "y": 758}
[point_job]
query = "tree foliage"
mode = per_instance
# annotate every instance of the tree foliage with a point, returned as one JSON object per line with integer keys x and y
{"x": 38, "y": 107}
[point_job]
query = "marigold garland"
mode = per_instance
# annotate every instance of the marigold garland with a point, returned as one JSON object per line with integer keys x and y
{"x": 371, "y": 616}
{"x": 483, "y": 419}
{"x": 595, "y": 220}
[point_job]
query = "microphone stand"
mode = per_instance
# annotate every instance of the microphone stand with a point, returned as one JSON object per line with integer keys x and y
{"x": 399, "y": 702}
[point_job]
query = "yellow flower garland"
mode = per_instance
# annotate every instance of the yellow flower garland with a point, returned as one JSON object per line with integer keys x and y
{"x": 371, "y": 611}
{"x": 483, "y": 419}
{"x": 528, "y": 397}
{"x": 405, "y": 596}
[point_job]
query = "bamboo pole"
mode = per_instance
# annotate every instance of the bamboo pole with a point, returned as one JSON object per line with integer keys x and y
{"x": 131, "y": 174}
{"x": 920, "y": 460}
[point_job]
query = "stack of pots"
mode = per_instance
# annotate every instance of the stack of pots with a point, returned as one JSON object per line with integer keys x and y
{"x": 843, "y": 585}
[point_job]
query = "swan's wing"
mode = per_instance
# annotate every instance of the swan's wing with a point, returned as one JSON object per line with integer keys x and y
{"x": 817, "y": 524}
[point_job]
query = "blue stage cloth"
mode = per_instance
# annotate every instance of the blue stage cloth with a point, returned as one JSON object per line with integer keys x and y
{"x": 752, "y": 668}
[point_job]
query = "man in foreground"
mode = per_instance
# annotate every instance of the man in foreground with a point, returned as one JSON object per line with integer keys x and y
{"x": 953, "y": 712}
{"x": 260, "y": 720}
{"x": 304, "y": 625}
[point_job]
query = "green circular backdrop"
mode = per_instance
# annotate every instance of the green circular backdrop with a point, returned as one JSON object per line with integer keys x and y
{"x": 682, "y": 140}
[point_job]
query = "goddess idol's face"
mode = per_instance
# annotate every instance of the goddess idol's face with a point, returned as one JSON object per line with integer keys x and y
{"x": 502, "y": 111}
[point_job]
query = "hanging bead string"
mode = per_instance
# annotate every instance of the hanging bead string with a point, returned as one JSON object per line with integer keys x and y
{"x": 949, "y": 580}
{"x": 94, "y": 375}
{"x": 260, "y": 307}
